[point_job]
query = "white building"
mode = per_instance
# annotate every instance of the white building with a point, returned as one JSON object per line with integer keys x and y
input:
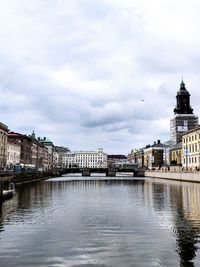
{"x": 13, "y": 153}
{"x": 85, "y": 159}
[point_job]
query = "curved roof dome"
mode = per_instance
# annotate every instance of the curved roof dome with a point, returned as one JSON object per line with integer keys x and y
{"x": 182, "y": 90}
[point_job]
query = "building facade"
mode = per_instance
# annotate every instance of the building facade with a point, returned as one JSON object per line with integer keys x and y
{"x": 176, "y": 155}
{"x": 85, "y": 159}
{"x": 61, "y": 151}
{"x": 3, "y": 145}
{"x": 155, "y": 155}
{"x": 26, "y": 147}
{"x": 137, "y": 157}
{"x": 191, "y": 149}
{"x": 33, "y": 154}
{"x": 184, "y": 118}
{"x": 52, "y": 152}
{"x": 13, "y": 154}
{"x": 116, "y": 160}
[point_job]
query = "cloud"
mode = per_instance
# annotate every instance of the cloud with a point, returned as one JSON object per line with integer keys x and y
{"x": 77, "y": 71}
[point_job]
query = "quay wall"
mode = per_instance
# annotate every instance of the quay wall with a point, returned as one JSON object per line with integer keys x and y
{"x": 25, "y": 177}
{"x": 178, "y": 176}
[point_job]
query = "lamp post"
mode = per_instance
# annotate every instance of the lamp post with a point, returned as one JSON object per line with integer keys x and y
{"x": 165, "y": 157}
{"x": 186, "y": 157}
{"x": 199, "y": 154}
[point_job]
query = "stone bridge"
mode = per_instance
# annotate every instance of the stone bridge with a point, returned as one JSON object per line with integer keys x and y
{"x": 110, "y": 172}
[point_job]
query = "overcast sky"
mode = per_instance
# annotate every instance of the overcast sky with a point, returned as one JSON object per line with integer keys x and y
{"x": 76, "y": 71}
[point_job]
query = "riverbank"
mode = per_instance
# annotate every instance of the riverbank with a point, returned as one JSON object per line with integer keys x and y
{"x": 19, "y": 178}
{"x": 177, "y": 176}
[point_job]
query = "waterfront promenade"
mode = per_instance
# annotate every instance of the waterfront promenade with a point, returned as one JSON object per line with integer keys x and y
{"x": 192, "y": 176}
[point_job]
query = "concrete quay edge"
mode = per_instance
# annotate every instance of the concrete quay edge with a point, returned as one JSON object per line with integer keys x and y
{"x": 25, "y": 177}
{"x": 176, "y": 176}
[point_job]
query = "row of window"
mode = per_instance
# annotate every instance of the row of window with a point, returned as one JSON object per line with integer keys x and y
{"x": 192, "y": 160}
{"x": 191, "y": 138}
{"x": 13, "y": 157}
{"x": 82, "y": 162}
{"x": 192, "y": 148}
{"x": 14, "y": 148}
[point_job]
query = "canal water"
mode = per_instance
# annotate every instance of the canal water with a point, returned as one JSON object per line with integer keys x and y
{"x": 68, "y": 222}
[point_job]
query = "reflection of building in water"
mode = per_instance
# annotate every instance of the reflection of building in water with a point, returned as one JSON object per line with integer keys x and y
{"x": 191, "y": 202}
{"x": 186, "y": 224}
{"x": 185, "y": 214}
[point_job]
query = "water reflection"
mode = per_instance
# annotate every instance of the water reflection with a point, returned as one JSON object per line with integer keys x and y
{"x": 183, "y": 200}
{"x": 119, "y": 219}
{"x": 187, "y": 222}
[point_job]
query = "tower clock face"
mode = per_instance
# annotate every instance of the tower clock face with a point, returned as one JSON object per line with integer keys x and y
{"x": 184, "y": 100}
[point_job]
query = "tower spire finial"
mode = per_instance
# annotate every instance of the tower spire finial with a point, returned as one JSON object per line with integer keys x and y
{"x": 182, "y": 84}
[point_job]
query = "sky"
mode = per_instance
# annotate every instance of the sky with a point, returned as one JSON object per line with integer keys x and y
{"x": 76, "y": 71}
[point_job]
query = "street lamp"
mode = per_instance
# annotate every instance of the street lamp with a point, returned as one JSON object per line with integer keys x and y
{"x": 199, "y": 154}
{"x": 186, "y": 157}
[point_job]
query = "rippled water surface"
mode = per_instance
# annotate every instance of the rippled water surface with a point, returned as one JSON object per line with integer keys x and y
{"x": 67, "y": 222}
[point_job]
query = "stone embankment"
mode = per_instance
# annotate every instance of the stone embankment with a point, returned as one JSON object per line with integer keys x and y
{"x": 18, "y": 178}
{"x": 177, "y": 176}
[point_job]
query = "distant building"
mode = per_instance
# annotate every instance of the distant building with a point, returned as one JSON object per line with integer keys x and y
{"x": 26, "y": 145}
{"x": 33, "y": 154}
{"x": 40, "y": 157}
{"x": 85, "y": 159}
{"x": 61, "y": 150}
{"x": 184, "y": 118}
{"x": 155, "y": 155}
{"x": 52, "y": 152}
{"x": 3, "y": 145}
{"x": 116, "y": 160}
{"x": 137, "y": 157}
{"x": 176, "y": 155}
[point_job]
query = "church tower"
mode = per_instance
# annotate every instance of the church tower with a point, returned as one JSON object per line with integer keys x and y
{"x": 184, "y": 119}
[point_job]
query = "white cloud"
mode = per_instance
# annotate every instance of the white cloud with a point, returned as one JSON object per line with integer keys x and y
{"x": 76, "y": 71}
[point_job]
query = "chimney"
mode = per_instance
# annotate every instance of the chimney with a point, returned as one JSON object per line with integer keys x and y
{"x": 158, "y": 141}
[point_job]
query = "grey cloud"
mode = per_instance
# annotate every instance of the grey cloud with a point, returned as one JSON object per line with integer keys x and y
{"x": 76, "y": 71}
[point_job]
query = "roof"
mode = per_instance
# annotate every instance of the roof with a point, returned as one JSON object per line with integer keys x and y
{"x": 3, "y": 127}
{"x": 158, "y": 145}
{"x": 192, "y": 130}
{"x": 18, "y": 135}
{"x": 176, "y": 147}
{"x": 182, "y": 90}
